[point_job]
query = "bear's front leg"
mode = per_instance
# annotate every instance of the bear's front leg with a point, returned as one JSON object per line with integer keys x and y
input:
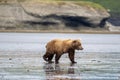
{"x": 72, "y": 56}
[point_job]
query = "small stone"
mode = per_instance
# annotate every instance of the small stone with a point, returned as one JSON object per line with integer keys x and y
{"x": 28, "y": 70}
{"x": 98, "y": 61}
{"x": 93, "y": 60}
{"x": 10, "y": 58}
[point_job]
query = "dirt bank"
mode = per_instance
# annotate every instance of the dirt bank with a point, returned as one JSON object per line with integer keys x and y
{"x": 52, "y": 16}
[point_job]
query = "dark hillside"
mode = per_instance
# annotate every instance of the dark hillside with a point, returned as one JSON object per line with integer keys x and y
{"x": 112, "y": 6}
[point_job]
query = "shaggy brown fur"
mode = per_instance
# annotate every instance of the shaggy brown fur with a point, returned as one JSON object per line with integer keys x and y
{"x": 58, "y": 47}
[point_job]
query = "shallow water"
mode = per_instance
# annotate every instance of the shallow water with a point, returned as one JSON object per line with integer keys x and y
{"x": 21, "y": 57}
{"x": 37, "y": 41}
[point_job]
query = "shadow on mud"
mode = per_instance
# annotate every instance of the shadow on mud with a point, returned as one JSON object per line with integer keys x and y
{"x": 58, "y": 72}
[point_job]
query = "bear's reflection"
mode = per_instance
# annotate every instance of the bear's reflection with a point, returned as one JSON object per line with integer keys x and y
{"x": 57, "y": 72}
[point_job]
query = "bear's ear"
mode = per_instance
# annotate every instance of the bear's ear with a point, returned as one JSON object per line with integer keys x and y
{"x": 74, "y": 41}
{"x": 77, "y": 40}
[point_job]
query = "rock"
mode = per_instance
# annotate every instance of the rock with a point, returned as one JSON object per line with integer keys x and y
{"x": 10, "y": 58}
{"x": 28, "y": 70}
{"x": 112, "y": 28}
{"x": 61, "y": 15}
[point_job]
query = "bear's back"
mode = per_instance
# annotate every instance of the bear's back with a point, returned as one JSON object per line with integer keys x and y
{"x": 59, "y": 45}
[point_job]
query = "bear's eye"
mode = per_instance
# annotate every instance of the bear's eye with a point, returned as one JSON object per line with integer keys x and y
{"x": 79, "y": 44}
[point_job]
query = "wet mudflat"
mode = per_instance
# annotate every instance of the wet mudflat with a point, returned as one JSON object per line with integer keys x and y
{"x": 21, "y": 57}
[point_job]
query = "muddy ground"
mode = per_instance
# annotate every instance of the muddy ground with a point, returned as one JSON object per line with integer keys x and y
{"x": 21, "y": 57}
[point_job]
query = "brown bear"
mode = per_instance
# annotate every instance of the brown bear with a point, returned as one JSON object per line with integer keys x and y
{"x": 58, "y": 47}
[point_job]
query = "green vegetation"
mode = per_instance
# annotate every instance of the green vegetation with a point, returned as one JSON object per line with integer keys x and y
{"x": 88, "y": 4}
{"x": 82, "y": 3}
{"x": 113, "y": 6}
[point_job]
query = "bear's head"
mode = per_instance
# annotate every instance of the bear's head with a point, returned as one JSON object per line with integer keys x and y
{"x": 76, "y": 44}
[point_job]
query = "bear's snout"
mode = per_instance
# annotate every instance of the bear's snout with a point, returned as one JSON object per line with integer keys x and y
{"x": 80, "y": 48}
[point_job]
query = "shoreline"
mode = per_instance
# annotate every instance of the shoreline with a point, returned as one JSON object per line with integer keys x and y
{"x": 61, "y": 31}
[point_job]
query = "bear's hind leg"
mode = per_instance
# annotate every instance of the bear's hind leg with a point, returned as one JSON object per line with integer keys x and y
{"x": 45, "y": 57}
{"x": 50, "y": 57}
{"x": 57, "y": 57}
